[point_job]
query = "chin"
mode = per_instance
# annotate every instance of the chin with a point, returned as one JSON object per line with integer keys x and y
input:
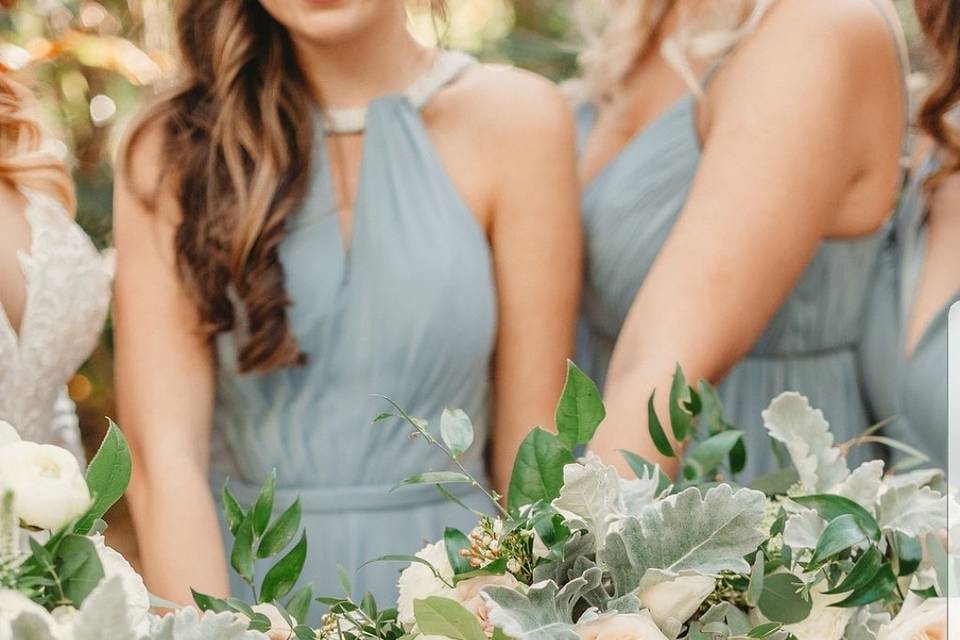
{"x": 328, "y": 21}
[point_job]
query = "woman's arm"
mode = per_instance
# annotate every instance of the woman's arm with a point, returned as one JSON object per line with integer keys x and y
{"x": 164, "y": 381}
{"x": 536, "y": 243}
{"x": 804, "y": 123}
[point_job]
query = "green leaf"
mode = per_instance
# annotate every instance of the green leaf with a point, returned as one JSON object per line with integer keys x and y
{"x": 831, "y": 507}
{"x": 455, "y": 541}
{"x": 660, "y": 440}
{"x": 241, "y": 556}
{"x": 862, "y": 573}
{"x": 580, "y": 410}
{"x": 209, "y": 603}
{"x": 642, "y": 469}
{"x": 908, "y": 554}
{"x": 107, "y": 476}
{"x": 299, "y": 604}
{"x": 680, "y": 418}
{"x": 496, "y": 568}
{"x": 703, "y": 459}
{"x": 233, "y": 513}
{"x": 765, "y": 630}
{"x": 781, "y": 600}
{"x": 755, "y": 588}
{"x": 881, "y": 586}
{"x": 456, "y": 431}
{"x": 263, "y": 507}
{"x": 434, "y": 477}
{"x": 447, "y": 618}
{"x": 538, "y": 469}
{"x": 282, "y": 576}
{"x": 85, "y": 570}
{"x": 841, "y": 534}
{"x": 281, "y": 532}
{"x": 712, "y": 415}
{"x": 344, "y": 580}
{"x": 776, "y": 483}
{"x": 303, "y": 632}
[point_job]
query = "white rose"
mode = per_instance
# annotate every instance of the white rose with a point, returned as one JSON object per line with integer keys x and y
{"x": 630, "y": 626}
{"x": 48, "y": 488}
{"x": 418, "y": 581}
{"x": 918, "y": 620}
{"x": 671, "y": 601}
{"x": 8, "y": 435}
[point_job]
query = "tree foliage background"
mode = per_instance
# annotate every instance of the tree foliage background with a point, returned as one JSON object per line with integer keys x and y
{"x": 92, "y": 63}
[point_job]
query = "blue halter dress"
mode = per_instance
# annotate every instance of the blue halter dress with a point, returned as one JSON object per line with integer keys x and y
{"x": 408, "y": 311}
{"x": 910, "y": 390}
{"x": 809, "y": 346}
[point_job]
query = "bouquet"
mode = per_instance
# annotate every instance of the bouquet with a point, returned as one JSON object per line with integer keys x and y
{"x": 815, "y": 551}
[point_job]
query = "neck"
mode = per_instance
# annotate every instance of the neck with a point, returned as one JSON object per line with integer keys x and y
{"x": 384, "y": 58}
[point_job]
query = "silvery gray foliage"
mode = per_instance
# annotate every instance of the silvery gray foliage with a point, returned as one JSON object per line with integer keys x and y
{"x": 687, "y": 532}
{"x": 545, "y": 612}
{"x": 580, "y": 544}
{"x": 915, "y": 511}
{"x": 805, "y": 432}
{"x": 189, "y": 624}
{"x": 863, "y": 485}
{"x": 865, "y": 624}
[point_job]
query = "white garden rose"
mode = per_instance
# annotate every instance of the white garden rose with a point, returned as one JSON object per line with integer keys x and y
{"x": 8, "y": 435}
{"x": 48, "y": 488}
{"x": 14, "y": 604}
{"x": 918, "y": 620}
{"x": 672, "y": 601}
{"x": 418, "y": 581}
{"x": 630, "y": 626}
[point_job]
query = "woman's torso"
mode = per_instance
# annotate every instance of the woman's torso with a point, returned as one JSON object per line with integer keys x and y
{"x": 907, "y": 385}
{"x": 408, "y": 311}
{"x": 630, "y": 208}
{"x": 67, "y": 295}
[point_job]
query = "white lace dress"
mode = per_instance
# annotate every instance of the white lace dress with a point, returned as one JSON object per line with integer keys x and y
{"x": 67, "y": 296}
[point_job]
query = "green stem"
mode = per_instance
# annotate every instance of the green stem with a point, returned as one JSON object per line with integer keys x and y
{"x": 430, "y": 439}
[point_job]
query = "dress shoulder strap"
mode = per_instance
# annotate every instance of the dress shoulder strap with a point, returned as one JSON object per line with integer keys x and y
{"x": 447, "y": 66}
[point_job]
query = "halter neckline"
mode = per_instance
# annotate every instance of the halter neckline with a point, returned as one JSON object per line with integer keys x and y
{"x": 446, "y": 67}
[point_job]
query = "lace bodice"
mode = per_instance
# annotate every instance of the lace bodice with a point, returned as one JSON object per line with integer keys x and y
{"x": 67, "y": 296}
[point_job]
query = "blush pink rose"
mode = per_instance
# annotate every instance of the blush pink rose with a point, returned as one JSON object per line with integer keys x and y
{"x": 630, "y": 626}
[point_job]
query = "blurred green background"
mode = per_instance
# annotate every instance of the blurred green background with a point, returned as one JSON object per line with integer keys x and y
{"x": 92, "y": 64}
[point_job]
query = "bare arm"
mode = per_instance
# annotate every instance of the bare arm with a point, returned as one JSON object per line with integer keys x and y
{"x": 164, "y": 379}
{"x": 783, "y": 165}
{"x": 537, "y": 257}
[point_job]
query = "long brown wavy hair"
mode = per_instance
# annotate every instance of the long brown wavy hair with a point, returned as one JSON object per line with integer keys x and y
{"x": 238, "y": 140}
{"x": 940, "y": 20}
{"x": 23, "y": 160}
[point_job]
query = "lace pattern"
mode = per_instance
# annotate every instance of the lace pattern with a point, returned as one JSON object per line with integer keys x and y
{"x": 68, "y": 286}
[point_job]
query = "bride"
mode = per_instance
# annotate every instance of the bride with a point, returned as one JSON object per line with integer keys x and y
{"x": 54, "y": 285}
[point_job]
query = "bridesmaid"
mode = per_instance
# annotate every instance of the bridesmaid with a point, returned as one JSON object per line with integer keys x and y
{"x": 904, "y": 352}
{"x": 738, "y": 159}
{"x": 323, "y": 210}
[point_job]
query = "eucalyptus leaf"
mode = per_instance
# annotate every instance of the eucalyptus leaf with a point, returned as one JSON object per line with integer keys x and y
{"x": 87, "y": 572}
{"x": 755, "y": 588}
{"x": 781, "y": 600}
{"x": 456, "y": 430}
{"x": 446, "y": 618}
{"x": 703, "y": 459}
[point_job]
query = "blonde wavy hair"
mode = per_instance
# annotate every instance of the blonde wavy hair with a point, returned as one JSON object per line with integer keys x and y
{"x": 620, "y": 32}
{"x": 23, "y": 160}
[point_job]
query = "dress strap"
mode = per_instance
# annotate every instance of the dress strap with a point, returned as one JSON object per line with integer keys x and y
{"x": 446, "y": 68}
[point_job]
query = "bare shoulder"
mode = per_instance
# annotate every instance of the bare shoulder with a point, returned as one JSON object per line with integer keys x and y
{"x": 852, "y": 33}
{"x": 510, "y": 103}
{"x": 144, "y": 183}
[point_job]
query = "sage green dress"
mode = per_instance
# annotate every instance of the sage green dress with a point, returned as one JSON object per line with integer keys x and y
{"x": 912, "y": 390}
{"x": 809, "y": 346}
{"x": 408, "y": 311}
